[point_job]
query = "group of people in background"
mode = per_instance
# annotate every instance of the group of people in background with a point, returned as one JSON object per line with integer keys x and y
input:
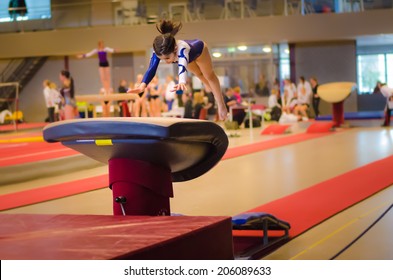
{"x": 191, "y": 56}
{"x": 295, "y": 101}
{"x": 159, "y": 97}
{"x": 60, "y": 101}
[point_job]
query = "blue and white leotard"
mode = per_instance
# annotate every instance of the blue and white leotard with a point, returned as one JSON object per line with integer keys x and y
{"x": 187, "y": 51}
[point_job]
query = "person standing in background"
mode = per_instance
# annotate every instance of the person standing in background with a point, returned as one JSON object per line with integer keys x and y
{"x": 169, "y": 93}
{"x": 123, "y": 104}
{"x": 154, "y": 97}
{"x": 211, "y": 107}
{"x": 67, "y": 91}
{"x": 17, "y": 8}
{"x": 52, "y": 97}
{"x": 387, "y": 92}
{"x": 315, "y": 97}
{"x": 304, "y": 95}
{"x": 103, "y": 64}
{"x": 140, "y": 106}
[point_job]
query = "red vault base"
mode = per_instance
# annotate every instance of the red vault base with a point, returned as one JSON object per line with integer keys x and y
{"x": 88, "y": 237}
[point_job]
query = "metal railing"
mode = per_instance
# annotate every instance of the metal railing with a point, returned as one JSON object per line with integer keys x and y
{"x": 75, "y": 14}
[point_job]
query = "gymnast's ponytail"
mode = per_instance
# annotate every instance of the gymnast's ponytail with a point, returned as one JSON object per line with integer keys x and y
{"x": 168, "y": 26}
{"x": 165, "y": 44}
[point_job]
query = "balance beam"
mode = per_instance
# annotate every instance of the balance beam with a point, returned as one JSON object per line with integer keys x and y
{"x": 106, "y": 97}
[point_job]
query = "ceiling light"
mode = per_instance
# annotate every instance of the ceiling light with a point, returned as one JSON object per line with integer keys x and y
{"x": 217, "y": 54}
{"x": 267, "y": 49}
{"x": 242, "y": 48}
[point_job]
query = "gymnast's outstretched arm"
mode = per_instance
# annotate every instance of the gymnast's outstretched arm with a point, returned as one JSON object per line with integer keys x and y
{"x": 150, "y": 73}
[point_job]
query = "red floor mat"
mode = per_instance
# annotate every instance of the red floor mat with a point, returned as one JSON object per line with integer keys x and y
{"x": 275, "y": 129}
{"x": 311, "y": 206}
{"x": 270, "y": 144}
{"x": 28, "y": 197}
{"x": 320, "y": 127}
{"x": 19, "y": 153}
{"x": 37, "y": 195}
{"x": 21, "y": 126}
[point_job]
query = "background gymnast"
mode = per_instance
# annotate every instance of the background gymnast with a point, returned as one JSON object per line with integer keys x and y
{"x": 191, "y": 55}
{"x": 104, "y": 71}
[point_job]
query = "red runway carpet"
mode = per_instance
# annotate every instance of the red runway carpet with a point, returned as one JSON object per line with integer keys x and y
{"x": 23, "y": 198}
{"x": 19, "y": 153}
{"x": 16, "y": 151}
{"x": 21, "y": 126}
{"x": 32, "y": 196}
{"x": 311, "y": 206}
{"x": 270, "y": 144}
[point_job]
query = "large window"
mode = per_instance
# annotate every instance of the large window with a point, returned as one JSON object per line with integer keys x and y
{"x": 24, "y": 10}
{"x": 389, "y": 69}
{"x": 373, "y": 68}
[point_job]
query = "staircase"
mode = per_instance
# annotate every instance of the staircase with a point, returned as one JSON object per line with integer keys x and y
{"x": 18, "y": 70}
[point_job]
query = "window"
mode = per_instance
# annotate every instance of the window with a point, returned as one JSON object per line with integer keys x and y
{"x": 389, "y": 69}
{"x": 372, "y": 68}
{"x": 35, "y": 9}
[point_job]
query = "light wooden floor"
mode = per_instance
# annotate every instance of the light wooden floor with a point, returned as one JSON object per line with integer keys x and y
{"x": 245, "y": 182}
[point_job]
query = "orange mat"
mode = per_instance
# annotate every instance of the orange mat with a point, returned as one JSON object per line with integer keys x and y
{"x": 320, "y": 127}
{"x": 275, "y": 129}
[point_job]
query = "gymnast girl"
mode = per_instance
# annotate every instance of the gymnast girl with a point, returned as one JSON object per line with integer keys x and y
{"x": 191, "y": 55}
{"x": 69, "y": 109}
{"x": 104, "y": 71}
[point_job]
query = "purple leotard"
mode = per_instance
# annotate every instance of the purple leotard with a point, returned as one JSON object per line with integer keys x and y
{"x": 102, "y": 56}
{"x": 187, "y": 51}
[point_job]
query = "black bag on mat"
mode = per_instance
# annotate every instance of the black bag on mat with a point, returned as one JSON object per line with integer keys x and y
{"x": 256, "y": 122}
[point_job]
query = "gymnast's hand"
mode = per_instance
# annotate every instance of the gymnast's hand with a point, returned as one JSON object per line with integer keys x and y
{"x": 138, "y": 89}
{"x": 177, "y": 87}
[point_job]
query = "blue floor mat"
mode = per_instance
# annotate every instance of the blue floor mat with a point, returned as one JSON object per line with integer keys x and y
{"x": 364, "y": 115}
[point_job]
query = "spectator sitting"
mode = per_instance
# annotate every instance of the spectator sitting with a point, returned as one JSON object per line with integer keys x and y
{"x": 123, "y": 89}
{"x": 210, "y": 107}
{"x": 230, "y": 98}
{"x": 198, "y": 104}
{"x": 304, "y": 94}
{"x": 238, "y": 114}
{"x": 289, "y": 96}
{"x": 236, "y": 93}
{"x": 274, "y": 103}
{"x": 187, "y": 102}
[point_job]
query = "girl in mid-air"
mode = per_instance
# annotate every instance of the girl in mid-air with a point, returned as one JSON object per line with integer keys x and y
{"x": 191, "y": 55}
